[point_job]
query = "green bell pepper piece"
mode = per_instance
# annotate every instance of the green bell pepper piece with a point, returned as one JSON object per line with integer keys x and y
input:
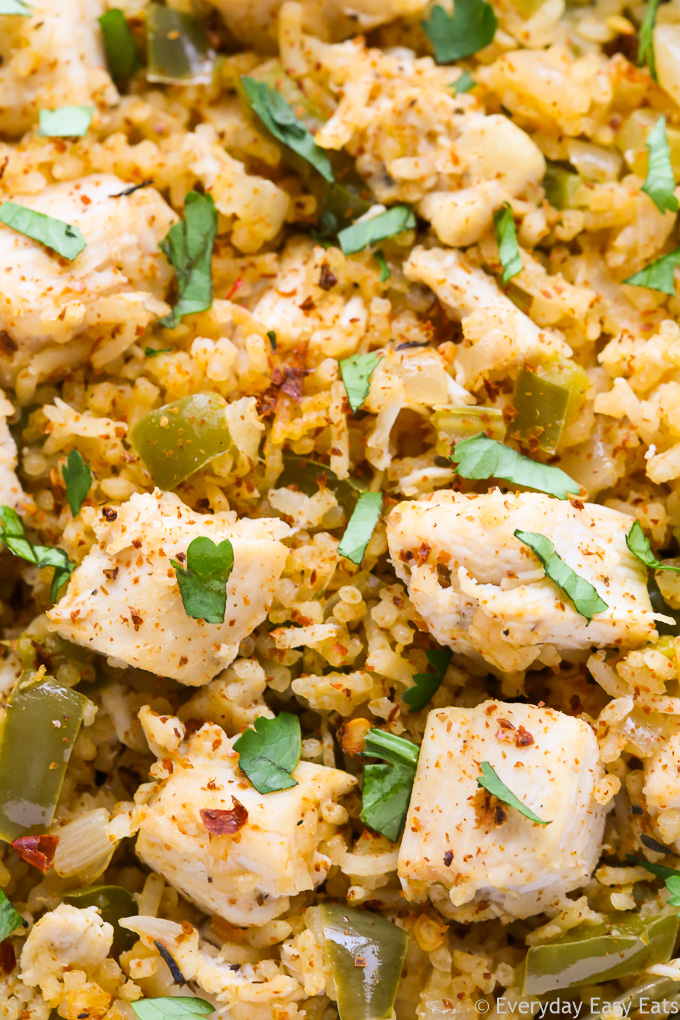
{"x": 177, "y": 48}
{"x": 366, "y": 954}
{"x": 456, "y": 423}
{"x": 114, "y": 902}
{"x": 546, "y": 400}
{"x": 178, "y": 439}
{"x": 41, "y": 723}
{"x": 310, "y": 476}
{"x": 560, "y": 185}
{"x": 592, "y": 953}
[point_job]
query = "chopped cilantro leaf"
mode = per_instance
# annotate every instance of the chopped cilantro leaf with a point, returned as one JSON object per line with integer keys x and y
{"x": 361, "y": 526}
{"x": 61, "y": 237}
{"x": 269, "y": 753}
{"x": 506, "y": 239}
{"x": 658, "y": 275}
{"x": 78, "y": 479}
{"x": 356, "y": 374}
{"x": 65, "y": 122}
{"x": 203, "y": 583}
{"x": 469, "y": 29}
{"x": 426, "y": 685}
{"x": 387, "y": 788}
{"x": 659, "y": 183}
{"x": 581, "y": 593}
{"x": 188, "y": 247}
{"x": 366, "y": 232}
{"x": 480, "y": 457}
{"x": 639, "y": 545}
{"x": 122, "y": 55}
{"x": 490, "y": 780}
{"x": 13, "y": 536}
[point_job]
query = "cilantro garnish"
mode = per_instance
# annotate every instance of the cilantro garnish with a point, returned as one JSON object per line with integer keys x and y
{"x": 426, "y": 685}
{"x": 387, "y": 788}
{"x": 269, "y": 753}
{"x": 363, "y": 233}
{"x": 356, "y": 374}
{"x": 171, "y": 1007}
{"x": 646, "y": 38}
{"x": 506, "y": 239}
{"x": 279, "y": 118}
{"x": 61, "y": 237}
{"x": 490, "y": 780}
{"x": 203, "y": 583}
{"x": 10, "y": 918}
{"x": 658, "y": 275}
{"x": 360, "y": 527}
{"x": 188, "y": 247}
{"x": 639, "y": 545}
{"x": 480, "y": 457}
{"x": 13, "y": 536}
{"x": 469, "y": 29}
{"x": 78, "y": 479}
{"x": 582, "y": 594}
{"x": 65, "y": 122}
{"x": 122, "y": 55}
{"x": 659, "y": 183}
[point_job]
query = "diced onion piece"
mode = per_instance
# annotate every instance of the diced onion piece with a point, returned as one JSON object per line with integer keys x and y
{"x": 84, "y": 847}
{"x": 667, "y": 57}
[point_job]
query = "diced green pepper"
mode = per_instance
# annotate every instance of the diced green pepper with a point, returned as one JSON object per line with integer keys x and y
{"x": 560, "y": 185}
{"x": 177, "y": 49}
{"x": 41, "y": 723}
{"x": 310, "y": 476}
{"x": 366, "y": 954}
{"x": 114, "y": 902}
{"x": 592, "y": 953}
{"x": 546, "y": 400}
{"x": 455, "y": 423}
{"x": 178, "y": 439}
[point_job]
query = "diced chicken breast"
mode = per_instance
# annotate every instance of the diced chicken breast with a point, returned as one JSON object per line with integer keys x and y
{"x": 257, "y": 21}
{"x": 64, "y": 939}
{"x": 123, "y": 600}
{"x": 248, "y": 877}
{"x": 11, "y": 493}
{"x": 497, "y": 334}
{"x": 46, "y": 299}
{"x": 53, "y": 58}
{"x": 483, "y": 592}
{"x": 482, "y": 851}
{"x": 662, "y": 789}
{"x": 499, "y": 161}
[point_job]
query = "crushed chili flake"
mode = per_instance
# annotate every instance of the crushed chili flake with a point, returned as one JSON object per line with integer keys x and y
{"x": 523, "y": 738}
{"x": 225, "y": 821}
{"x": 8, "y": 960}
{"x": 448, "y": 858}
{"x": 37, "y": 850}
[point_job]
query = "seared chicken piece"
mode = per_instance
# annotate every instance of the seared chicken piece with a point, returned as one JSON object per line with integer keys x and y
{"x": 479, "y": 849}
{"x": 497, "y": 334}
{"x": 52, "y": 58}
{"x": 123, "y": 600}
{"x": 246, "y": 878}
{"x": 483, "y": 592}
{"x": 47, "y": 299}
{"x": 64, "y": 939}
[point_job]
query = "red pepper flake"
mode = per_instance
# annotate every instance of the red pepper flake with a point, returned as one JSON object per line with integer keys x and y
{"x": 360, "y": 961}
{"x": 236, "y": 286}
{"x": 37, "y": 850}
{"x": 523, "y": 738}
{"x": 109, "y": 514}
{"x": 225, "y": 821}
{"x": 8, "y": 960}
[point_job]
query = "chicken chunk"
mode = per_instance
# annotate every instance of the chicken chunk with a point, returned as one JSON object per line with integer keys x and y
{"x": 64, "y": 939}
{"x": 246, "y": 878}
{"x": 253, "y": 22}
{"x": 662, "y": 789}
{"x": 483, "y": 592}
{"x": 123, "y": 600}
{"x": 53, "y": 58}
{"x": 11, "y": 493}
{"x": 482, "y": 851}
{"x": 498, "y": 336}
{"x": 116, "y": 280}
{"x": 499, "y": 161}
